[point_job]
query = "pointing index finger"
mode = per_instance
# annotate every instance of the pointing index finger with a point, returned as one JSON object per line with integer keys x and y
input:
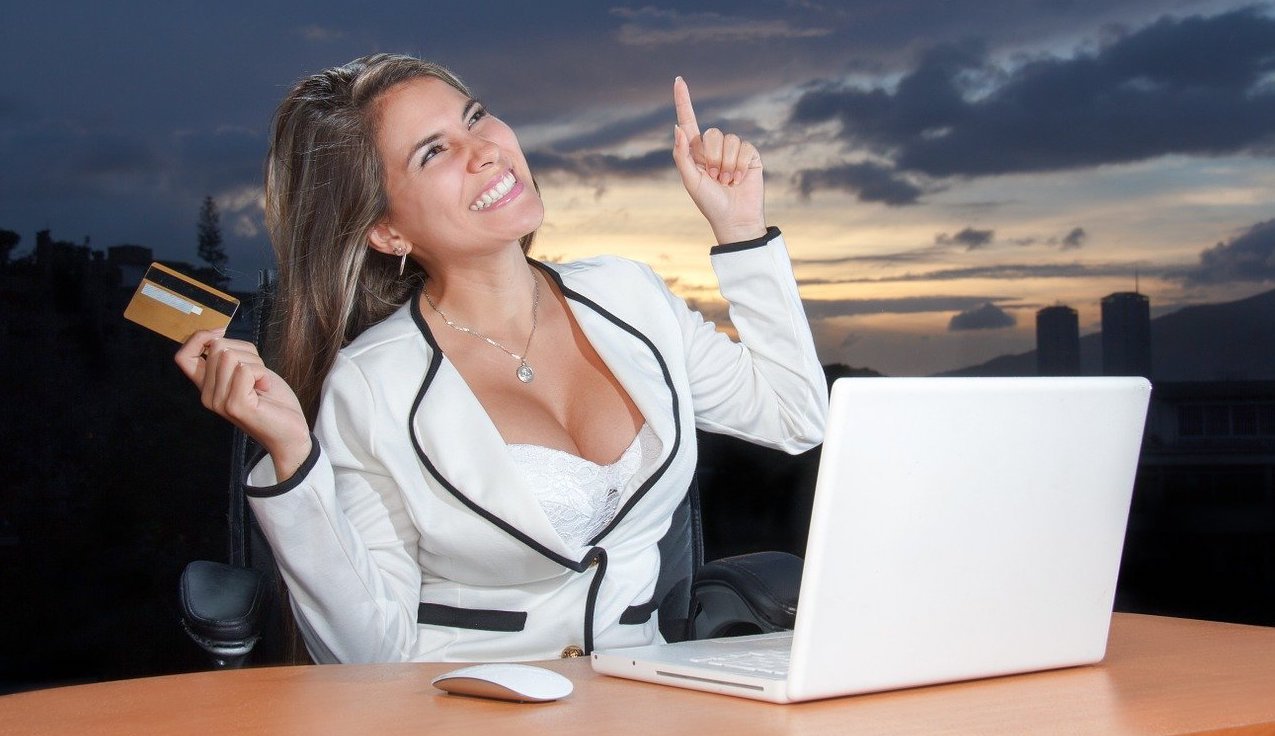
{"x": 685, "y": 111}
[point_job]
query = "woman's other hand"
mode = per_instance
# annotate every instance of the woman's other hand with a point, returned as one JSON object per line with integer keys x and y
{"x": 236, "y": 384}
{"x": 721, "y": 172}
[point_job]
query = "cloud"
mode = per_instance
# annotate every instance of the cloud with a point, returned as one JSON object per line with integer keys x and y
{"x": 220, "y": 161}
{"x": 657, "y": 122}
{"x": 1075, "y": 238}
{"x": 969, "y": 238}
{"x": 1195, "y": 86}
{"x": 986, "y": 317}
{"x": 649, "y": 26}
{"x": 906, "y": 256}
{"x": 597, "y": 166}
{"x": 1249, "y": 256}
{"x": 817, "y": 309}
{"x": 61, "y": 161}
{"x": 1009, "y": 272}
{"x": 870, "y": 182}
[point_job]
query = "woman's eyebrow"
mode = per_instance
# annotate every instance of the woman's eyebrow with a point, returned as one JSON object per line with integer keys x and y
{"x": 427, "y": 140}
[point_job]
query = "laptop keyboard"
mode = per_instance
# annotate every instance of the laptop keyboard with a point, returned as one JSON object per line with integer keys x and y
{"x": 769, "y": 662}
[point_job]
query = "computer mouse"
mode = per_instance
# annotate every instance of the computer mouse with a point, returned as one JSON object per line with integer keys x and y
{"x": 519, "y": 682}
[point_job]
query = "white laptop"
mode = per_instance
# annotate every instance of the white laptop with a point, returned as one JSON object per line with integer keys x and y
{"x": 962, "y": 528}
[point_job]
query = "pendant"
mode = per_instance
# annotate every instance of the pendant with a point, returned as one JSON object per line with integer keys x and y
{"x": 525, "y": 374}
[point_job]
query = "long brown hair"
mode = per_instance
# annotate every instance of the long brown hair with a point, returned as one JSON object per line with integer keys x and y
{"x": 324, "y": 191}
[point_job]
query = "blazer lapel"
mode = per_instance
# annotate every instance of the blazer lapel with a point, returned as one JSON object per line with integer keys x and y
{"x": 460, "y": 446}
{"x": 639, "y": 367}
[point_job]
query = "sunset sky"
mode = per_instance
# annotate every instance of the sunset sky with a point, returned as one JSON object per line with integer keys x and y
{"x": 941, "y": 170}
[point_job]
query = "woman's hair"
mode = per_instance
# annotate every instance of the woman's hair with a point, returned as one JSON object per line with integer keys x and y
{"x": 324, "y": 192}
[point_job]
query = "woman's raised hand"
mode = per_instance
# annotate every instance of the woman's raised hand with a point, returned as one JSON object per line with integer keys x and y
{"x": 721, "y": 172}
{"x": 236, "y": 384}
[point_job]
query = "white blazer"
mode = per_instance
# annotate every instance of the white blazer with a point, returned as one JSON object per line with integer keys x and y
{"x": 409, "y": 534}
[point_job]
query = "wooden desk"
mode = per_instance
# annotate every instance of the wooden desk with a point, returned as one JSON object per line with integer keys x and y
{"x": 1161, "y": 676}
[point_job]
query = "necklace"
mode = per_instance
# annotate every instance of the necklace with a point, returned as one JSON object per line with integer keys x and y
{"x": 524, "y": 372}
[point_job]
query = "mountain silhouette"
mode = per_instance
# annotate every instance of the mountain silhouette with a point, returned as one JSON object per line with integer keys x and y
{"x": 1232, "y": 341}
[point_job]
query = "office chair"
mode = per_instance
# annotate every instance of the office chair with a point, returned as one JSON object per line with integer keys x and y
{"x": 226, "y": 607}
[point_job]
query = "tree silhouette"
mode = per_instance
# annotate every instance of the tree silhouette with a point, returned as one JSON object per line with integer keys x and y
{"x": 210, "y": 247}
{"x": 8, "y": 241}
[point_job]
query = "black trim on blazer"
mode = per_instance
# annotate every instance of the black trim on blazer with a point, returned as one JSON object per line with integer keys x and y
{"x": 772, "y": 232}
{"x": 598, "y": 555}
{"x": 668, "y": 382}
{"x": 279, "y": 489}
{"x": 480, "y": 619}
{"x": 640, "y": 614}
{"x": 436, "y": 361}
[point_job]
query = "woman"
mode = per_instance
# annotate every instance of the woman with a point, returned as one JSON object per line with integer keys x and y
{"x": 499, "y": 443}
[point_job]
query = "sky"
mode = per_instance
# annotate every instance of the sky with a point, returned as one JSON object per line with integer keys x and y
{"x": 941, "y": 169}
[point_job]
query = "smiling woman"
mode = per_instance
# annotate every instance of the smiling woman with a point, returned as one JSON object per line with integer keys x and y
{"x": 472, "y": 455}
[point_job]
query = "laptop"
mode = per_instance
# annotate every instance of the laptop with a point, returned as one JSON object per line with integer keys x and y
{"x": 962, "y": 528}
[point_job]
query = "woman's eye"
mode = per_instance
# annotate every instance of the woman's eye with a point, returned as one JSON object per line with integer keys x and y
{"x": 476, "y": 115}
{"x": 431, "y": 152}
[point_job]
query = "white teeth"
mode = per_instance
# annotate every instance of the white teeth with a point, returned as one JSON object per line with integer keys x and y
{"x": 491, "y": 195}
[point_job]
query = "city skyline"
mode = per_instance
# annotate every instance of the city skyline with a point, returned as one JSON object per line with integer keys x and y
{"x": 941, "y": 170}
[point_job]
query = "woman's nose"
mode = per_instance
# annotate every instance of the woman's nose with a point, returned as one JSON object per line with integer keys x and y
{"x": 484, "y": 153}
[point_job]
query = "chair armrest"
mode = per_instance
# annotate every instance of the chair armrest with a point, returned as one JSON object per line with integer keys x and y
{"x": 221, "y": 607}
{"x": 746, "y": 594}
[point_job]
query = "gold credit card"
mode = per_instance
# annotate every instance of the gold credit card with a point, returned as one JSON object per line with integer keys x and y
{"x": 176, "y": 306}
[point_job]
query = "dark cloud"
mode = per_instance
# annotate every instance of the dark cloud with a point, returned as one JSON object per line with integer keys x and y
{"x": 221, "y": 160}
{"x": 987, "y": 317}
{"x": 1074, "y": 239}
{"x": 650, "y": 26}
{"x": 969, "y": 238}
{"x": 906, "y": 256}
{"x": 120, "y": 139}
{"x": 658, "y": 120}
{"x": 56, "y": 161}
{"x": 1198, "y": 86}
{"x": 1249, "y": 256}
{"x": 870, "y": 182}
{"x": 1009, "y": 272}
{"x": 826, "y": 308}
{"x": 596, "y": 166}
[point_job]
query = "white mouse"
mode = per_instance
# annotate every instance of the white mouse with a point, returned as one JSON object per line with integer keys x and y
{"x": 521, "y": 682}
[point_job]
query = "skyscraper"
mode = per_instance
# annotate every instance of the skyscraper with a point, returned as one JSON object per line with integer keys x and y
{"x": 1126, "y": 334}
{"x": 1057, "y": 341}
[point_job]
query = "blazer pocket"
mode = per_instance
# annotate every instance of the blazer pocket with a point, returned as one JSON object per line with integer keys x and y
{"x": 481, "y": 619}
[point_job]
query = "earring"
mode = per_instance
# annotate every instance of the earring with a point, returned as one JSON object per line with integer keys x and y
{"x": 402, "y": 252}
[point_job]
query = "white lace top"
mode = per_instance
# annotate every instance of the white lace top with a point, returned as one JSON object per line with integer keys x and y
{"x": 581, "y": 497}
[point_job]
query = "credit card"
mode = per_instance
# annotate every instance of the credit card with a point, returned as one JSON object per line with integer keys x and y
{"x": 176, "y": 306}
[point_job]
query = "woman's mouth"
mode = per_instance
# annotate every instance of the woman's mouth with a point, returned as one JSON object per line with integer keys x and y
{"x": 498, "y": 192}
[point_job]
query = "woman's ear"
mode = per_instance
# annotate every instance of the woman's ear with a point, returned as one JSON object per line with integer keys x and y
{"x": 383, "y": 238}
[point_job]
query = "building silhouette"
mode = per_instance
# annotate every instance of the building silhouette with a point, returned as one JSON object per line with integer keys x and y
{"x": 1203, "y": 516}
{"x": 1057, "y": 341}
{"x": 1126, "y": 334}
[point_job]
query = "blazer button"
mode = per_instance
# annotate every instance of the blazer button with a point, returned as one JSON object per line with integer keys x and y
{"x": 572, "y": 651}
{"x": 593, "y": 562}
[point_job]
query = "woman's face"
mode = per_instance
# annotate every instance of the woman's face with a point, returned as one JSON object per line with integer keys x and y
{"x": 457, "y": 180}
